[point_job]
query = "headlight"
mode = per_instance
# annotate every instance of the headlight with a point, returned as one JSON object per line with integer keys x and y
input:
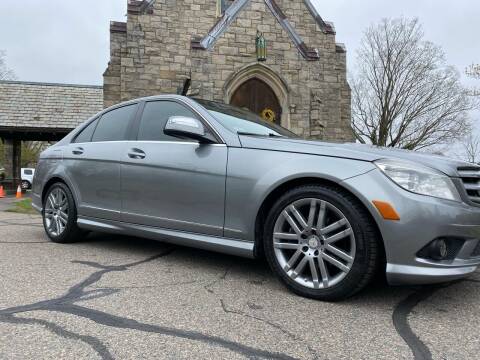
{"x": 419, "y": 179}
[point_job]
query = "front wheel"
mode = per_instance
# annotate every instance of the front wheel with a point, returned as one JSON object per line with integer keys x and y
{"x": 321, "y": 242}
{"x": 60, "y": 215}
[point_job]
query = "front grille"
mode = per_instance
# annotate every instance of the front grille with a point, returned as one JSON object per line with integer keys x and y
{"x": 470, "y": 176}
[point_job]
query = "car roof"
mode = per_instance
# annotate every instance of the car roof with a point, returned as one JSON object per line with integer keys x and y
{"x": 149, "y": 98}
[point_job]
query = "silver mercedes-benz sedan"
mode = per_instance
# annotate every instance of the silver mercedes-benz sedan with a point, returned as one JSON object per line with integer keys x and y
{"x": 327, "y": 217}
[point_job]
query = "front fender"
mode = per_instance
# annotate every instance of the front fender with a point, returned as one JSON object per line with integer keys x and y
{"x": 253, "y": 174}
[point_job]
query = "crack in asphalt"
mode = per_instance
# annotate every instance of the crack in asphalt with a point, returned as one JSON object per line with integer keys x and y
{"x": 400, "y": 321}
{"x": 404, "y": 309}
{"x": 159, "y": 286}
{"x": 97, "y": 345}
{"x": 292, "y": 336}
{"x": 67, "y": 304}
{"x": 289, "y": 334}
{"x": 209, "y": 286}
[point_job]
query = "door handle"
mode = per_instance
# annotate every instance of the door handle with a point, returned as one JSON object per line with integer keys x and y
{"x": 136, "y": 154}
{"x": 77, "y": 151}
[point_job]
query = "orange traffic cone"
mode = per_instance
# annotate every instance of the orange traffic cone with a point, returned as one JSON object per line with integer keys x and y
{"x": 2, "y": 192}
{"x": 19, "y": 192}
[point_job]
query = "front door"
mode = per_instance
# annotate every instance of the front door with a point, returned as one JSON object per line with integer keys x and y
{"x": 172, "y": 183}
{"x": 258, "y": 97}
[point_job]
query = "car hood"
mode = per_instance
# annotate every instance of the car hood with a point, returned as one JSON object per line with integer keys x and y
{"x": 353, "y": 151}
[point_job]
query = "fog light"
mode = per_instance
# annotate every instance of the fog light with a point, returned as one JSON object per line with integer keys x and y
{"x": 442, "y": 248}
{"x": 438, "y": 249}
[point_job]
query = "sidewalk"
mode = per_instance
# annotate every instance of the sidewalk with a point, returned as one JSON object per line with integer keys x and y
{"x": 7, "y": 202}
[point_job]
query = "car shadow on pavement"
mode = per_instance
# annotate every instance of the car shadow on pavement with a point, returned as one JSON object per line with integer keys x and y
{"x": 129, "y": 245}
{"x": 140, "y": 246}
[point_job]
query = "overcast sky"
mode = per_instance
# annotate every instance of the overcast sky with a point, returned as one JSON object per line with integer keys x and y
{"x": 67, "y": 41}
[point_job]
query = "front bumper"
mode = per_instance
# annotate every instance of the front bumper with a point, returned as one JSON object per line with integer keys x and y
{"x": 422, "y": 219}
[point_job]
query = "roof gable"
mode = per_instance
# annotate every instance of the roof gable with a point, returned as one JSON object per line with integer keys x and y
{"x": 237, "y": 6}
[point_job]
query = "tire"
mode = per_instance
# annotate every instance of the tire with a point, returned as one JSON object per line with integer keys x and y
{"x": 26, "y": 185}
{"x": 355, "y": 245}
{"x": 67, "y": 216}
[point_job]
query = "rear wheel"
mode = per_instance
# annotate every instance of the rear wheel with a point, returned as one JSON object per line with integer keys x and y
{"x": 321, "y": 242}
{"x": 60, "y": 215}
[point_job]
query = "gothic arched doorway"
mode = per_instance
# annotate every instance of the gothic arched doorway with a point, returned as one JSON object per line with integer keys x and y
{"x": 255, "y": 95}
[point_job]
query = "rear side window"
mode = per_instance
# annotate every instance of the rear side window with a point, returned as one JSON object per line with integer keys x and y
{"x": 155, "y": 116}
{"x": 28, "y": 172}
{"x": 86, "y": 134}
{"x": 113, "y": 125}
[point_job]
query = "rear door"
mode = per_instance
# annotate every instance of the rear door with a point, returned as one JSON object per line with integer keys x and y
{"x": 92, "y": 163}
{"x": 172, "y": 183}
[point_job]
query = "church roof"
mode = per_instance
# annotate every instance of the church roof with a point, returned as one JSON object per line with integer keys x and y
{"x": 33, "y": 105}
{"x": 327, "y": 27}
{"x": 234, "y": 9}
{"x": 146, "y": 6}
{"x": 139, "y": 6}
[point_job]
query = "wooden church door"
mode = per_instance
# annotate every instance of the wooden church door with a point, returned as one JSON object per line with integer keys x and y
{"x": 258, "y": 97}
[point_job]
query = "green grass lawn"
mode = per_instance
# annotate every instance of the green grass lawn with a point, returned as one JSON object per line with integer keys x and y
{"x": 23, "y": 207}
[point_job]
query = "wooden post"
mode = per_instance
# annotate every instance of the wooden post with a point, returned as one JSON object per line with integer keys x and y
{"x": 12, "y": 161}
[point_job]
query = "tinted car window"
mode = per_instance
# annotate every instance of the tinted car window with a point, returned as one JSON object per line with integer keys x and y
{"x": 243, "y": 121}
{"x": 155, "y": 116}
{"x": 28, "y": 172}
{"x": 113, "y": 125}
{"x": 86, "y": 134}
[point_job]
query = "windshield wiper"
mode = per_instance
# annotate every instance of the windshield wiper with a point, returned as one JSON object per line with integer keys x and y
{"x": 256, "y": 134}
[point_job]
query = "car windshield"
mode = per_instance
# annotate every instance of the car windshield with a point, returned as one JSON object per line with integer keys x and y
{"x": 244, "y": 122}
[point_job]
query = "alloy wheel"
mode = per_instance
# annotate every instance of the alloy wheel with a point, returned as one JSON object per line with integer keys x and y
{"x": 314, "y": 243}
{"x": 56, "y": 212}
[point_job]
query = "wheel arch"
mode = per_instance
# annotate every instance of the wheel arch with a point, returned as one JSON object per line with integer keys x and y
{"x": 269, "y": 200}
{"x": 53, "y": 180}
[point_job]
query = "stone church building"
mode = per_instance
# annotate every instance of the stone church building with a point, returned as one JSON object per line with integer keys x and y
{"x": 213, "y": 49}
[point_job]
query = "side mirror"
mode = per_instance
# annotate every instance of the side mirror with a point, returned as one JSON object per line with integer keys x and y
{"x": 186, "y": 127}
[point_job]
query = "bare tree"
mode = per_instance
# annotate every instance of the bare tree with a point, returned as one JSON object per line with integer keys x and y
{"x": 473, "y": 71}
{"x": 5, "y": 72}
{"x": 471, "y": 148}
{"x": 403, "y": 94}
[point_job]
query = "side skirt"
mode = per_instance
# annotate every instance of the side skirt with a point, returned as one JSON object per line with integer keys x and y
{"x": 206, "y": 242}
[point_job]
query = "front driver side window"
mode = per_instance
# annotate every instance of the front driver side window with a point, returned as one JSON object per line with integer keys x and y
{"x": 155, "y": 116}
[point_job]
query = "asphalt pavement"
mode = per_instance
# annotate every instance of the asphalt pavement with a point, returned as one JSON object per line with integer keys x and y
{"x": 114, "y": 297}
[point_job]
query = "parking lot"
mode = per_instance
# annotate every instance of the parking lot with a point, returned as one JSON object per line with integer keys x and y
{"x": 124, "y": 298}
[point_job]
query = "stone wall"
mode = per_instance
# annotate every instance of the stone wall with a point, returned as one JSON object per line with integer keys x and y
{"x": 153, "y": 55}
{"x": 111, "y": 77}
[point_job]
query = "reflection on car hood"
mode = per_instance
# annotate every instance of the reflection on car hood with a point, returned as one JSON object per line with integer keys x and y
{"x": 352, "y": 151}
